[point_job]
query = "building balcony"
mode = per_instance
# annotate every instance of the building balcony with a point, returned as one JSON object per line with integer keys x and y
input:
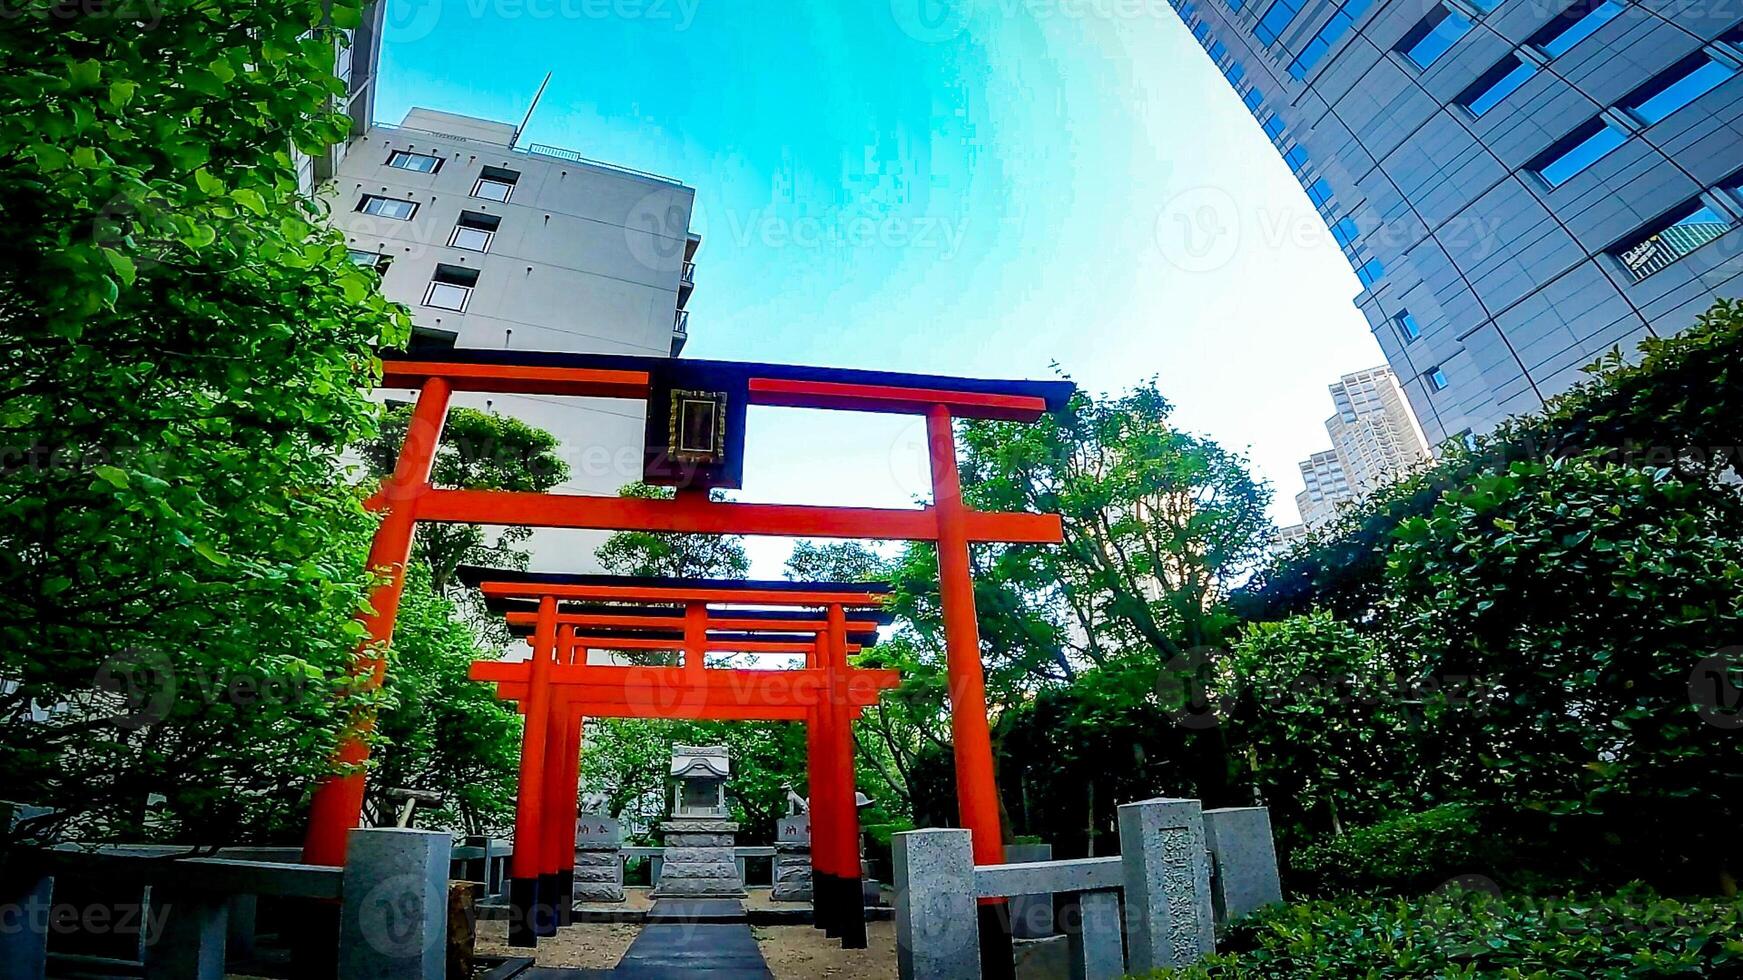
{"x": 686, "y": 283}
{"x": 680, "y": 331}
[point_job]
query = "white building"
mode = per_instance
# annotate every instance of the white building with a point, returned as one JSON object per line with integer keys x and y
{"x": 496, "y": 245}
{"x": 1375, "y": 442}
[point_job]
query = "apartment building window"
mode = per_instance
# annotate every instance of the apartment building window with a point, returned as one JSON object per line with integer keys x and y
{"x": 1340, "y": 23}
{"x": 1235, "y": 73}
{"x": 1274, "y": 127}
{"x": 1658, "y": 245}
{"x": 1202, "y": 32}
{"x": 1234, "y": 5}
{"x": 1370, "y": 273}
{"x": 1436, "y": 379}
{"x": 1297, "y": 160}
{"x": 1468, "y": 438}
{"x": 1676, "y": 87}
{"x": 1275, "y": 20}
{"x": 1345, "y": 231}
{"x": 1573, "y": 25}
{"x": 474, "y": 231}
{"x": 387, "y": 207}
{"x": 1218, "y": 51}
{"x": 371, "y": 260}
{"x": 1433, "y": 36}
{"x": 1407, "y": 327}
{"x": 1501, "y": 80}
{"x": 451, "y": 288}
{"x": 1319, "y": 192}
{"x": 495, "y": 184}
{"x": 423, "y": 163}
{"x": 1253, "y": 98}
{"x": 1576, "y": 151}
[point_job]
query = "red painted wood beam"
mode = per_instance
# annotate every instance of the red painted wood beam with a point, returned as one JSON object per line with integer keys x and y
{"x": 609, "y": 683}
{"x": 792, "y": 393}
{"x": 517, "y": 379}
{"x": 715, "y": 622}
{"x": 679, "y": 593}
{"x": 701, "y": 516}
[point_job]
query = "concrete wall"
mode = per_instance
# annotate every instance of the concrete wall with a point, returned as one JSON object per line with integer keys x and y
{"x": 586, "y": 258}
{"x": 1510, "y": 280}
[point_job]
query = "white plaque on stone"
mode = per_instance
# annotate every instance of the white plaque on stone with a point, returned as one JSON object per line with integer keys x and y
{"x": 795, "y": 829}
{"x": 596, "y": 831}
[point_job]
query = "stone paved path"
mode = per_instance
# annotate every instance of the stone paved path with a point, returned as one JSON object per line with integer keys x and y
{"x": 707, "y": 939}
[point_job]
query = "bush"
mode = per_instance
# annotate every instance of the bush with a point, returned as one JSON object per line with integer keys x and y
{"x": 1633, "y": 933}
{"x": 1413, "y": 853}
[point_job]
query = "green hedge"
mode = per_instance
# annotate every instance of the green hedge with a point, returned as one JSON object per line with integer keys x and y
{"x": 1413, "y": 853}
{"x": 1630, "y": 934}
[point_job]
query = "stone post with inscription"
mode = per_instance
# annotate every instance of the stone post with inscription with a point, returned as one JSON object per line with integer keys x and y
{"x": 598, "y": 859}
{"x": 792, "y": 859}
{"x": 1167, "y": 884}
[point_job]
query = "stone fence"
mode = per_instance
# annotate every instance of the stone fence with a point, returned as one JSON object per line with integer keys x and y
{"x": 391, "y": 897}
{"x": 1181, "y": 871}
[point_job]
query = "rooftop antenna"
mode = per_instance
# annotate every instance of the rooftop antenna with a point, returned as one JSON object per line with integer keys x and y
{"x": 518, "y": 130}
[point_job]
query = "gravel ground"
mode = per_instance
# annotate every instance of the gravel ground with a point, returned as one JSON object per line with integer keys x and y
{"x": 592, "y": 946}
{"x": 804, "y": 953}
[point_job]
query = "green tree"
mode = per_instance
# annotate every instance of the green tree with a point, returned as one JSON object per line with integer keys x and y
{"x": 1159, "y": 523}
{"x": 479, "y": 451}
{"x": 672, "y": 555}
{"x": 185, "y": 352}
{"x": 443, "y": 732}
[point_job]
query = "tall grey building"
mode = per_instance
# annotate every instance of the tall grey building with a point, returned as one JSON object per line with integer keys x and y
{"x": 494, "y": 244}
{"x": 1519, "y": 185}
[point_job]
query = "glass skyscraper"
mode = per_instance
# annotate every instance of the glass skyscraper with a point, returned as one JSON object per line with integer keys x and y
{"x": 1520, "y": 185}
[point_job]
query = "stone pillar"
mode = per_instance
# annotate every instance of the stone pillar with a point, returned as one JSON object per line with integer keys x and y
{"x": 1031, "y": 915}
{"x": 937, "y": 928}
{"x": 598, "y": 859}
{"x": 1167, "y": 883}
{"x": 244, "y": 913}
{"x": 196, "y": 928}
{"x": 792, "y": 872}
{"x": 24, "y": 906}
{"x": 698, "y": 860}
{"x": 1093, "y": 937}
{"x": 1244, "y": 861}
{"x": 393, "y": 921}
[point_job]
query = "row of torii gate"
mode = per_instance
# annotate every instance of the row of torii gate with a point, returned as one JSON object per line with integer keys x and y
{"x": 696, "y": 412}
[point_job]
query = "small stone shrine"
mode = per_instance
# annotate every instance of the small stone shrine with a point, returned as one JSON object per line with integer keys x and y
{"x": 698, "y": 860}
{"x": 598, "y": 859}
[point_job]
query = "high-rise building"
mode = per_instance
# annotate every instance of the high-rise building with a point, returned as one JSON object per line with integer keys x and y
{"x": 1374, "y": 443}
{"x": 493, "y": 244}
{"x": 1520, "y": 186}
{"x": 1372, "y": 433}
{"x": 1328, "y": 489}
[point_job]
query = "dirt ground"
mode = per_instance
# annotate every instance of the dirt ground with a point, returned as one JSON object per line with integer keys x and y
{"x": 591, "y": 946}
{"x": 803, "y": 953}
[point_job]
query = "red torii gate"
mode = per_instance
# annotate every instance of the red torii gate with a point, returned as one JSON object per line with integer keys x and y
{"x": 695, "y": 432}
{"x": 827, "y": 695}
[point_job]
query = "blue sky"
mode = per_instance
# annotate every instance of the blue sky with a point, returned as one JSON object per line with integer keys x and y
{"x": 968, "y": 186}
